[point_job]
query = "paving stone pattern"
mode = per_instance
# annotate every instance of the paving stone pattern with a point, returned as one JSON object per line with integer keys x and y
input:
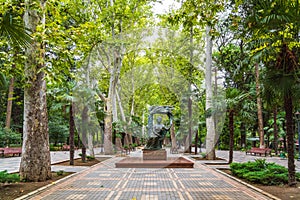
{"x": 105, "y": 182}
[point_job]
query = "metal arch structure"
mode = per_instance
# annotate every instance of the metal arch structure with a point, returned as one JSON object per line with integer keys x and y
{"x": 167, "y": 110}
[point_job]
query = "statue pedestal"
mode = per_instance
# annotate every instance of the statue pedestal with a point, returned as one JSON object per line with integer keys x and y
{"x": 160, "y": 154}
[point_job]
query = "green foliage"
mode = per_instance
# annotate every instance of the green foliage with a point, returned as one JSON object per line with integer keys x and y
{"x": 87, "y": 157}
{"x": 134, "y": 145}
{"x": 54, "y": 148}
{"x": 119, "y": 126}
{"x": 8, "y": 137}
{"x": 58, "y": 130}
{"x": 90, "y": 157}
{"x": 60, "y": 172}
{"x": 11, "y": 24}
{"x": 3, "y": 82}
{"x": 6, "y": 177}
{"x": 259, "y": 171}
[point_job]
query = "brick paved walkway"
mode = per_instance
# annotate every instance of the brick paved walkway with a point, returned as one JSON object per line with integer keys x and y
{"x": 105, "y": 182}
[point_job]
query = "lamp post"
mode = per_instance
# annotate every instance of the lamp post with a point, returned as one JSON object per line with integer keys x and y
{"x": 298, "y": 127}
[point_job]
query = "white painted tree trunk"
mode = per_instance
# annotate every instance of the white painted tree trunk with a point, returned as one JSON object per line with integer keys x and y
{"x": 210, "y": 125}
{"x": 35, "y": 162}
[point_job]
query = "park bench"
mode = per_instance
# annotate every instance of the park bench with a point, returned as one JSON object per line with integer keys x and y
{"x": 66, "y": 147}
{"x": 124, "y": 151}
{"x": 7, "y": 151}
{"x": 259, "y": 151}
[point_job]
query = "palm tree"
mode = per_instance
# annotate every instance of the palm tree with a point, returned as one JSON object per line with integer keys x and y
{"x": 12, "y": 28}
{"x": 281, "y": 80}
{"x": 234, "y": 97}
{"x": 274, "y": 28}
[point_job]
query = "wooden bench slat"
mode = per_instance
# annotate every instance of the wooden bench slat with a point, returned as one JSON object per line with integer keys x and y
{"x": 255, "y": 151}
{"x": 10, "y": 151}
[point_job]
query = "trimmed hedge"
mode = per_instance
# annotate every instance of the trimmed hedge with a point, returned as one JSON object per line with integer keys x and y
{"x": 259, "y": 171}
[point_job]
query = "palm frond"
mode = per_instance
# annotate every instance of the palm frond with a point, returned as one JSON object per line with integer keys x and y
{"x": 3, "y": 82}
{"x": 14, "y": 30}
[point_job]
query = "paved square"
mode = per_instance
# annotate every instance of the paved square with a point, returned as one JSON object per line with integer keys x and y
{"x": 104, "y": 181}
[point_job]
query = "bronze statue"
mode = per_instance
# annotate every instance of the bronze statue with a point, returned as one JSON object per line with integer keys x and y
{"x": 158, "y": 131}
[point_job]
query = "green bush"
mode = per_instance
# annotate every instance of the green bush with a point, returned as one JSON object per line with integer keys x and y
{"x": 6, "y": 177}
{"x": 60, "y": 172}
{"x": 87, "y": 157}
{"x": 9, "y": 137}
{"x": 261, "y": 172}
{"x": 134, "y": 145}
{"x": 58, "y": 130}
{"x": 54, "y": 148}
{"x": 90, "y": 157}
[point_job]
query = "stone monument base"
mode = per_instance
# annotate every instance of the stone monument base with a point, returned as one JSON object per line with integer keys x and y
{"x": 138, "y": 162}
{"x": 160, "y": 154}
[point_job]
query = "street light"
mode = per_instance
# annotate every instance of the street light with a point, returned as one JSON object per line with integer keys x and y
{"x": 298, "y": 126}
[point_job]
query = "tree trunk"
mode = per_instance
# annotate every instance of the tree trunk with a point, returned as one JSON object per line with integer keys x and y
{"x": 275, "y": 130}
{"x": 190, "y": 125}
{"x": 243, "y": 135}
{"x": 35, "y": 162}
{"x": 196, "y": 142}
{"x": 72, "y": 134}
{"x": 90, "y": 144}
{"x": 114, "y": 105}
{"x": 111, "y": 103}
{"x": 288, "y": 106}
{"x": 9, "y": 102}
{"x": 211, "y": 133}
{"x": 173, "y": 138}
{"x": 118, "y": 143}
{"x": 259, "y": 109}
{"x": 118, "y": 140}
{"x": 126, "y": 139}
{"x": 87, "y": 135}
{"x": 231, "y": 135}
{"x": 129, "y": 137}
{"x": 188, "y": 145}
{"x": 108, "y": 145}
{"x": 84, "y": 131}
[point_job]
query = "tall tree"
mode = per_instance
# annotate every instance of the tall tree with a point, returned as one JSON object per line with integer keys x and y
{"x": 210, "y": 124}
{"x": 274, "y": 27}
{"x": 259, "y": 108}
{"x": 35, "y": 162}
{"x": 195, "y": 20}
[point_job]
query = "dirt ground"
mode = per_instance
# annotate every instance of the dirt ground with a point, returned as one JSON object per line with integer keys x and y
{"x": 78, "y": 162}
{"x": 11, "y": 191}
{"x": 200, "y": 158}
{"x": 14, "y": 190}
{"x": 283, "y": 192}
